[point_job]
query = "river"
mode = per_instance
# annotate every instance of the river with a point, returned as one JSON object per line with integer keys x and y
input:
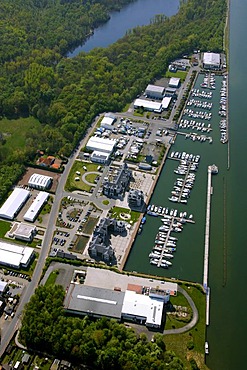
{"x": 227, "y": 332}
{"x": 138, "y": 13}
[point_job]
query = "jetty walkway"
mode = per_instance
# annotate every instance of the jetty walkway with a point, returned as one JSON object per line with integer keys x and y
{"x": 211, "y": 170}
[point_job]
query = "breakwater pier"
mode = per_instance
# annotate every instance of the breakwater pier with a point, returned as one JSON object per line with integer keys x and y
{"x": 211, "y": 170}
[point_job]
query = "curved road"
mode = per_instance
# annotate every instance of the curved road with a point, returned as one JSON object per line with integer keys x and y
{"x": 194, "y": 320}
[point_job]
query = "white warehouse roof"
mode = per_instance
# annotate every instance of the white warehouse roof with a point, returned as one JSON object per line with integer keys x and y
{"x": 107, "y": 121}
{"x": 143, "y": 306}
{"x": 154, "y": 88}
{"x": 14, "y": 255}
{"x": 212, "y": 59}
{"x": 166, "y": 102}
{"x": 14, "y": 203}
{"x": 174, "y": 82}
{"x": 40, "y": 181}
{"x": 35, "y": 207}
{"x": 147, "y": 104}
{"x": 101, "y": 144}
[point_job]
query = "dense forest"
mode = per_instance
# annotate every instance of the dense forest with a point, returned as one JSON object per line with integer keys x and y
{"x": 101, "y": 344}
{"x": 64, "y": 95}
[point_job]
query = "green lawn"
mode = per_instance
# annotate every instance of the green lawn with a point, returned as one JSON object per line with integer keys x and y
{"x": 72, "y": 184}
{"x": 15, "y": 130}
{"x": 47, "y": 207}
{"x": 4, "y": 227}
{"x": 91, "y": 177}
{"x": 117, "y": 211}
{"x": 52, "y": 278}
{"x": 196, "y": 336}
{"x": 179, "y": 74}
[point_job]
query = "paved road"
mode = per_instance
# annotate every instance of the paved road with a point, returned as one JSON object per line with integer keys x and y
{"x": 30, "y": 288}
{"x": 195, "y": 317}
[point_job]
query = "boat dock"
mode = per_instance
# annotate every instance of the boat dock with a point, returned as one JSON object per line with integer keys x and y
{"x": 211, "y": 170}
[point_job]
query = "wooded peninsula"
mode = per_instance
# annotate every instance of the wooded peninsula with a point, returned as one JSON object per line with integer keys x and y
{"x": 52, "y": 99}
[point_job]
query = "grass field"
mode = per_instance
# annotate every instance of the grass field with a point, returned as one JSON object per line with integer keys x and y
{"x": 194, "y": 338}
{"x": 81, "y": 244}
{"x": 117, "y": 211}
{"x": 4, "y": 227}
{"x": 179, "y": 74}
{"x": 91, "y": 177}
{"x": 90, "y": 225}
{"x": 52, "y": 278}
{"x": 14, "y": 131}
{"x": 72, "y": 184}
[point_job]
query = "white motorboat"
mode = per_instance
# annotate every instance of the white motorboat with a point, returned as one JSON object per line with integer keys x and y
{"x": 154, "y": 255}
{"x": 168, "y": 255}
{"x": 169, "y": 263}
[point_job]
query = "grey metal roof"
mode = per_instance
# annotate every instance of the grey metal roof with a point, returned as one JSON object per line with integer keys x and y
{"x": 94, "y": 301}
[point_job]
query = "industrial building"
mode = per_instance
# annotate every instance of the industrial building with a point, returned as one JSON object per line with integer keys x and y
{"x": 3, "y": 287}
{"x": 40, "y": 182}
{"x": 174, "y": 82}
{"x": 14, "y": 203}
{"x": 155, "y": 92}
{"x": 171, "y": 91}
{"x": 148, "y": 105}
{"x": 93, "y": 301}
{"x": 211, "y": 61}
{"x": 23, "y": 231}
{"x": 100, "y": 144}
{"x": 36, "y": 206}
{"x": 166, "y": 101}
{"x": 100, "y": 157}
{"x": 108, "y": 121}
{"x": 15, "y": 256}
{"x": 100, "y": 302}
{"x": 142, "y": 309}
{"x": 116, "y": 184}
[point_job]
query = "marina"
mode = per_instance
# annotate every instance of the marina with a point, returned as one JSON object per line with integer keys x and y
{"x": 181, "y": 189}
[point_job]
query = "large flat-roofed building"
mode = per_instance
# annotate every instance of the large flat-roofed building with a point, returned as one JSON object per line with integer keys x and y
{"x": 108, "y": 121}
{"x": 143, "y": 309}
{"x": 171, "y": 91}
{"x": 23, "y": 231}
{"x": 15, "y": 255}
{"x": 148, "y": 105}
{"x": 93, "y": 301}
{"x": 166, "y": 101}
{"x": 36, "y": 206}
{"x": 99, "y": 302}
{"x": 174, "y": 82}
{"x": 156, "y": 92}
{"x": 14, "y": 203}
{"x": 38, "y": 181}
{"x": 100, "y": 157}
{"x": 211, "y": 61}
{"x": 100, "y": 144}
{"x": 3, "y": 287}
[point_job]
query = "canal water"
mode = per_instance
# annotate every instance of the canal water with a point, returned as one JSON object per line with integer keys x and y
{"x": 138, "y": 13}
